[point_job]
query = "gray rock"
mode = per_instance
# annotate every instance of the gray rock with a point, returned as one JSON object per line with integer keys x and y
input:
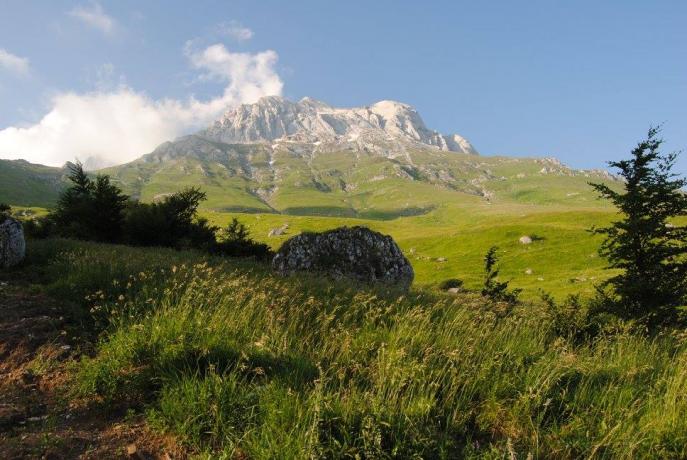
{"x": 350, "y": 252}
{"x": 525, "y": 240}
{"x": 279, "y": 231}
{"x": 12, "y": 244}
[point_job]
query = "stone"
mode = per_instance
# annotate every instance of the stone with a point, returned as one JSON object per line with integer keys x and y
{"x": 347, "y": 252}
{"x": 279, "y": 231}
{"x": 525, "y": 240}
{"x": 528, "y": 271}
{"x": 441, "y": 259}
{"x": 12, "y": 243}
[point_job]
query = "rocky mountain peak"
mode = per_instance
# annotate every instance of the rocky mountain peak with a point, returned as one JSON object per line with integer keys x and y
{"x": 386, "y": 126}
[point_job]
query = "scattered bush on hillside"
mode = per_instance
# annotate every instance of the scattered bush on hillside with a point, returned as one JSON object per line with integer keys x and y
{"x": 234, "y": 241}
{"x": 451, "y": 283}
{"x": 646, "y": 245}
{"x": 172, "y": 222}
{"x": 494, "y": 289}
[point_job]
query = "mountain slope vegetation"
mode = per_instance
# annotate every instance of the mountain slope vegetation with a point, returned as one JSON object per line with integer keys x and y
{"x": 27, "y": 184}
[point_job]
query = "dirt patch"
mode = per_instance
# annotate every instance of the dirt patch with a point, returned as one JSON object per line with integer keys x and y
{"x": 37, "y": 345}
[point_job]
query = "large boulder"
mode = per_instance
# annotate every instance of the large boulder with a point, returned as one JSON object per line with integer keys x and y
{"x": 12, "y": 244}
{"x": 355, "y": 252}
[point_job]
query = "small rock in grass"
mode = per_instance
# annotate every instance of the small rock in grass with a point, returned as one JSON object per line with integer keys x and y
{"x": 525, "y": 239}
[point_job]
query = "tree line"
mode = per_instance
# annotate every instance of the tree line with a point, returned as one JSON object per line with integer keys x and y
{"x": 95, "y": 209}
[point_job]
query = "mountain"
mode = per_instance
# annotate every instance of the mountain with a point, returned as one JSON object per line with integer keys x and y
{"x": 387, "y": 126}
{"x": 27, "y": 184}
{"x": 308, "y": 158}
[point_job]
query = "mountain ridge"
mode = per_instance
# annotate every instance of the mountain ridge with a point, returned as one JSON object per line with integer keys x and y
{"x": 387, "y": 126}
{"x": 308, "y": 158}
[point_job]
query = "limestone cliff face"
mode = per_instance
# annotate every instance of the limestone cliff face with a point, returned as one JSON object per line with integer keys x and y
{"x": 384, "y": 126}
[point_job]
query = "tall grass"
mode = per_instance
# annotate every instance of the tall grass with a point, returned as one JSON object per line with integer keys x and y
{"x": 236, "y": 362}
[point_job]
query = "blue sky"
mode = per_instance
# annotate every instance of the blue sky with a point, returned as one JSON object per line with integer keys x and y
{"x": 581, "y": 81}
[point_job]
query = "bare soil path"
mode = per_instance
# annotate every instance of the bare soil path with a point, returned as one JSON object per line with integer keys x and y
{"x": 37, "y": 419}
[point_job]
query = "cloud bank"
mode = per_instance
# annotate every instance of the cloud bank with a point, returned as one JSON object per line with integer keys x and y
{"x": 120, "y": 125}
{"x": 15, "y": 64}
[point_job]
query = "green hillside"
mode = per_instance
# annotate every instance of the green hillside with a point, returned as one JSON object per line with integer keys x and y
{"x": 445, "y": 209}
{"x": 300, "y": 180}
{"x": 436, "y": 205}
{"x": 26, "y": 184}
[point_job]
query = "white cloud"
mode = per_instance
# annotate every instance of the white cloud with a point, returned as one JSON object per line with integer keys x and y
{"x": 94, "y": 16}
{"x": 122, "y": 124}
{"x": 14, "y": 64}
{"x": 235, "y": 30}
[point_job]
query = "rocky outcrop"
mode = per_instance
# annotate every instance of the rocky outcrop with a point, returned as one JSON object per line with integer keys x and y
{"x": 356, "y": 252}
{"x": 12, "y": 244}
{"x": 386, "y": 124}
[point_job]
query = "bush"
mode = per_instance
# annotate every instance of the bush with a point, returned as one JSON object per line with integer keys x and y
{"x": 235, "y": 242}
{"x": 451, "y": 283}
{"x": 494, "y": 289}
{"x": 173, "y": 222}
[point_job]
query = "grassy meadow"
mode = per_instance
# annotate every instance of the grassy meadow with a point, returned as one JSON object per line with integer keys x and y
{"x": 563, "y": 259}
{"x": 237, "y": 363}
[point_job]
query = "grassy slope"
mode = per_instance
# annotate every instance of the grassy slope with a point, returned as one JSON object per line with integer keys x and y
{"x": 426, "y": 217}
{"x": 238, "y": 363}
{"x": 436, "y": 220}
{"x": 30, "y": 185}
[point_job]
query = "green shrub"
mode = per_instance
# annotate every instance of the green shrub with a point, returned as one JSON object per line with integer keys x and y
{"x": 172, "y": 222}
{"x": 235, "y": 241}
{"x": 493, "y": 288}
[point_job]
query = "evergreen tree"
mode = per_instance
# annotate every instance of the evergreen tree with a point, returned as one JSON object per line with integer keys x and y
{"x": 90, "y": 209}
{"x": 646, "y": 244}
{"x": 235, "y": 231}
{"x": 493, "y": 288}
